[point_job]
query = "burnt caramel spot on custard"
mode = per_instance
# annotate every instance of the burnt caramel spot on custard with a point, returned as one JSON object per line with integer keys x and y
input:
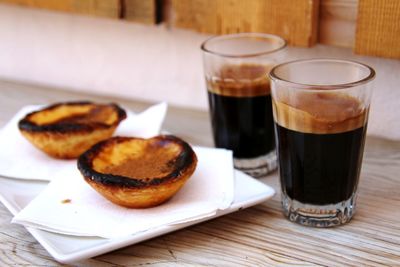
{"x": 73, "y": 116}
{"x": 244, "y": 80}
{"x": 154, "y": 160}
{"x": 136, "y": 162}
{"x": 95, "y": 114}
{"x": 66, "y": 201}
{"x": 320, "y": 113}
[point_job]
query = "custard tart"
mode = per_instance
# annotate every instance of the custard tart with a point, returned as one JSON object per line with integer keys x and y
{"x": 66, "y": 130}
{"x": 138, "y": 173}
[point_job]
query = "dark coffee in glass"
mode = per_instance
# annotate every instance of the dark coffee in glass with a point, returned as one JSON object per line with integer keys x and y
{"x": 320, "y": 163}
{"x": 320, "y": 111}
{"x": 241, "y": 110}
{"x": 236, "y": 68}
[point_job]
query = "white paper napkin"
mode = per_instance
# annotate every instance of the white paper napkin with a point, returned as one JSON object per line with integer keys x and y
{"x": 20, "y": 159}
{"x": 87, "y": 213}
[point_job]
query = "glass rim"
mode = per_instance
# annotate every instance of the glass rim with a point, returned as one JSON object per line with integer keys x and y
{"x": 243, "y": 35}
{"x": 337, "y": 86}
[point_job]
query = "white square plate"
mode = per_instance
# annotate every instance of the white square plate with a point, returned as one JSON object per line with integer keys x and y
{"x": 16, "y": 194}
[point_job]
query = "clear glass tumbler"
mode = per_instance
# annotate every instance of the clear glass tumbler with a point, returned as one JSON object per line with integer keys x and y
{"x": 236, "y": 68}
{"x": 321, "y": 112}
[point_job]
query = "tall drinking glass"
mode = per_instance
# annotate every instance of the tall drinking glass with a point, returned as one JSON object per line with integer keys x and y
{"x": 321, "y": 112}
{"x": 236, "y": 68}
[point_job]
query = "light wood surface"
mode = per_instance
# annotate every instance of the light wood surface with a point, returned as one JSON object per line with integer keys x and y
{"x": 257, "y": 236}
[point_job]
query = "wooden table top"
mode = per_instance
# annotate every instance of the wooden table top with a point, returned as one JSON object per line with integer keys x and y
{"x": 257, "y": 236}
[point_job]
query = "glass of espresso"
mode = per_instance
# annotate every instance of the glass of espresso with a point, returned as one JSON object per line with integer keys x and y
{"x": 236, "y": 68}
{"x": 321, "y": 112}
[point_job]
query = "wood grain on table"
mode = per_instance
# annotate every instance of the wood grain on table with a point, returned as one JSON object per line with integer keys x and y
{"x": 257, "y": 236}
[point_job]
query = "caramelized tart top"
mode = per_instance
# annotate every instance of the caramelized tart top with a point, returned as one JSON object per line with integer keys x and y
{"x": 73, "y": 116}
{"x": 137, "y": 162}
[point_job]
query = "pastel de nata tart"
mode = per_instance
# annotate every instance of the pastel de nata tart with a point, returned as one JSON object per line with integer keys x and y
{"x": 138, "y": 173}
{"x": 66, "y": 130}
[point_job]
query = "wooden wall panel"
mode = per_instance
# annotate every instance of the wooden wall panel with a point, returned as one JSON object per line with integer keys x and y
{"x": 378, "y": 28}
{"x": 102, "y": 8}
{"x": 143, "y": 11}
{"x": 296, "y": 21}
{"x": 337, "y": 22}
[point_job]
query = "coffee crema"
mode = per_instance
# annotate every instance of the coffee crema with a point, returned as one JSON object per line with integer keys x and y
{"x": 241, "y": 80}
{"x": 320, "y": 113}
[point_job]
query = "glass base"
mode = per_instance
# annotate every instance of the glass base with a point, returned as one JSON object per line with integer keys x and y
{"x": 259, "y": 166}
{"x": 319, "y": 215}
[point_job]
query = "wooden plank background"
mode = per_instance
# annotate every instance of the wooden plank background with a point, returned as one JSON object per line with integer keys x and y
{"x": 378, "y": 28}
{"x": 371, "y": 27}
{"x": 297, "y": 23}
{"x": 142, "y": 11}
{"x": 337, "y": 22}
{"x": 101, "y": 8}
